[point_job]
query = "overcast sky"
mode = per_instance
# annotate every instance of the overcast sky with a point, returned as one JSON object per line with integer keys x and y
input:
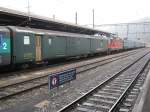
{"x": 106, "y": 11}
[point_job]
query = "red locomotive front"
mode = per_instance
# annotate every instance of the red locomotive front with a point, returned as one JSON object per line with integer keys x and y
{"x": 115, "y": 43}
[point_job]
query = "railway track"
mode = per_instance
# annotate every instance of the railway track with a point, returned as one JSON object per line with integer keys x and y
{"x": 9, "y": 90}
{"x": 29, "y": 74}
{"x": 128, "y": 103}
{"x": 107, "y": 96}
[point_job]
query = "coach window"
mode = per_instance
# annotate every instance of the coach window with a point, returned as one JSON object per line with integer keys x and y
{"x": 26, "y": 40}
{"x": 49, "y": 41}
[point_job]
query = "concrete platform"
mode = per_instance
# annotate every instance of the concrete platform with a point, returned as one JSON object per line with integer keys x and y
{"x": 143, "y": 101}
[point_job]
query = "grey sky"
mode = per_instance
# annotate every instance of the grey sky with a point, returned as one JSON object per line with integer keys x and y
{"x": 106, "y": 11}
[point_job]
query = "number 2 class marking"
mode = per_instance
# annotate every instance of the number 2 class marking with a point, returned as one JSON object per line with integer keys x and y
{"x": 4, "y": 45}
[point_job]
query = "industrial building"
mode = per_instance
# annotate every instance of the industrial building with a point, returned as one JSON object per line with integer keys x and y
{"x": 138, "y": 30}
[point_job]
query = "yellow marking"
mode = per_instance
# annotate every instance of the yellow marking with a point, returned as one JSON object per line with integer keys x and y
{"x": 43, "y": 104}
{"x": 38, "y": 48}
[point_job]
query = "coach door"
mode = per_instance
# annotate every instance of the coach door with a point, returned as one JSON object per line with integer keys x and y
{"x": 38, "y": 48}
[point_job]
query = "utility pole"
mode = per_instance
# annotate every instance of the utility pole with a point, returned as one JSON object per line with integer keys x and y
{"x": 53, "y": 16}
{"x": 93, "y": 18}
{"x": 29, "y": 18}
{"x": 76, "y": 18}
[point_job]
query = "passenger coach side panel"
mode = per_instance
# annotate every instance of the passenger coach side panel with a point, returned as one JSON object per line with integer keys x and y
{"x": 128, "y": 44}
{"x": 84, "y": 46}
{"x": 23, "y": 47}
{"x": 77, "y": 46}
{"x": 53, "y": 47}
{"x": 73, "y": 46}
{"x": 48, "y": 51}
{"x": 96, "y": 45}
{"x": 59, "y": 46}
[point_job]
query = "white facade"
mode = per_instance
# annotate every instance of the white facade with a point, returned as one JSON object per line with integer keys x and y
{"x": 139, "y": 31}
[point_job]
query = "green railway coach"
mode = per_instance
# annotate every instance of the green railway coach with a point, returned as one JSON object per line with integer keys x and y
{"x": 35, "y": 45}
{"x": 23, "y": 45}
{"x": 60, "y": 44}
{"x": 52, "y": 45}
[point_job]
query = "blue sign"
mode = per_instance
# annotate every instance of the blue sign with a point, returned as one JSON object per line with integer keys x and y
{"x": 59, "y": 78}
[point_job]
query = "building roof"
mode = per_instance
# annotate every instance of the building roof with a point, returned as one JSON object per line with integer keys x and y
{"x": 17, "y": 18}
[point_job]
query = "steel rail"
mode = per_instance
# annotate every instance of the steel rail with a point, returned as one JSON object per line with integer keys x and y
{"x": 114, "y": 107}
{"x": 45, "y": 83}
{"x": 34, "y": 78}
{"x": 86, "y": 95}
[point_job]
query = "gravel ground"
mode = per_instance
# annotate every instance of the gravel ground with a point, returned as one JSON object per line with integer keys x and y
{"x": 59, "y": 97}
{"x": 134, "y": 92}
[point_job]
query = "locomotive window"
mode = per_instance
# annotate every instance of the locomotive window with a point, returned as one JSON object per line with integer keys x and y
{"x": 26, "y": 40}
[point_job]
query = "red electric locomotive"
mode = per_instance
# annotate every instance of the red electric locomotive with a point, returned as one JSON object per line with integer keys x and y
{"x": 115, "y": 44}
